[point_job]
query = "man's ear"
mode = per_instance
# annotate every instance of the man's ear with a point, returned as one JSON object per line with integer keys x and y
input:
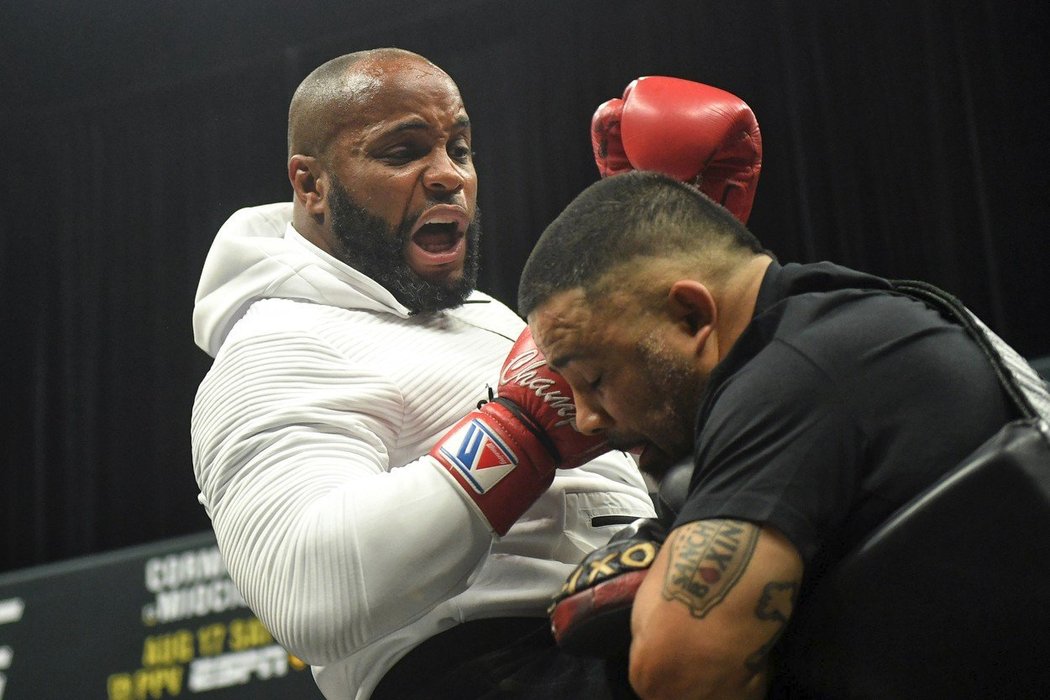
{"x": 309, "y": 183}
{"x": 693, "y": 308}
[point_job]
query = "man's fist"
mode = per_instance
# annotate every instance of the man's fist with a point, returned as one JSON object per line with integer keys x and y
{"x": 504, "y": 454}
{"x": 689, "y": 131}
{"x": 591, "y": 615}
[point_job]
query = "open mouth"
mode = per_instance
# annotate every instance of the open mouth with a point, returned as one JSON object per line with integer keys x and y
{"x": 439, "y": 238}
{"x": 651, "y": 459}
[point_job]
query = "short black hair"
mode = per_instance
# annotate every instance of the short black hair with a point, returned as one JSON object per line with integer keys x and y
{"x": 620, "y": 218}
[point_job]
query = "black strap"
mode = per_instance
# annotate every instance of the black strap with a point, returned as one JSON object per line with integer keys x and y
{"x": 953, "y": 308}
{"x": 539, "y": 433}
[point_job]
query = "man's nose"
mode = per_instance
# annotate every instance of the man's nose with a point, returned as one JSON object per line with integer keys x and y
{"x": 590, "y": 418}
{"x": 443, "y": 174}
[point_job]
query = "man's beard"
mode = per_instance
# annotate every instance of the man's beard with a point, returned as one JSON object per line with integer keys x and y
{"x": 371, "y": 246}
{"x": 676, "y": 385}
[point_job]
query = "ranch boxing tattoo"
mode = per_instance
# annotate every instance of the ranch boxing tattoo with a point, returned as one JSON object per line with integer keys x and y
{"x": 707, "y": 559}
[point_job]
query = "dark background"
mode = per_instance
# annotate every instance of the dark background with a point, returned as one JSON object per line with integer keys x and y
{"x": 902, "y": 137}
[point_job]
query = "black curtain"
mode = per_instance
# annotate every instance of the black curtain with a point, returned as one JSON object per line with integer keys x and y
{"x": 902, "y": 137}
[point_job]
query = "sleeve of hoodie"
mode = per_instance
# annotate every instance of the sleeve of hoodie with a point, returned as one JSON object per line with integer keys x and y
{"x": 330, "y": 547}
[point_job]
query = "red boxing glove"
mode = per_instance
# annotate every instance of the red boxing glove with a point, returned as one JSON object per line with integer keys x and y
{"x": 504, "y": 454}
{"x": 689, "y": 131}
{"x": 606, "y": 141}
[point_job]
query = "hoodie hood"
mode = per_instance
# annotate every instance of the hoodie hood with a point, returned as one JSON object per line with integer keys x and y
{"x": 257, "y": 254}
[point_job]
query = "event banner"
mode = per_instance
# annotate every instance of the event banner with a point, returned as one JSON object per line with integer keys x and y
{"x": 145, "y": 623}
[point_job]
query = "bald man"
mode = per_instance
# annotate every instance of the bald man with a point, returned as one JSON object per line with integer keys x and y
{"x": 387, "y": 530}
{"x": 812, "y": 401}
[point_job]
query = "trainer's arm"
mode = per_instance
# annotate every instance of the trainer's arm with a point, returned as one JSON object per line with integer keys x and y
{"x": 331, "y": 547}
{"x": 713, "y": 604}
{"x": 332, "y": 544}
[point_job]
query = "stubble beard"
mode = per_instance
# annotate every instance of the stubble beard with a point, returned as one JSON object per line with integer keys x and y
{"x": 371, "y": 246}
{"x": 677, "y": 386}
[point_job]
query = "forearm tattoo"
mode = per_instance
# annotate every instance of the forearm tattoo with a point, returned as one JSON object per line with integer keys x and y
{"x": 707, "y": 559}
{"x": 776, "y": 604}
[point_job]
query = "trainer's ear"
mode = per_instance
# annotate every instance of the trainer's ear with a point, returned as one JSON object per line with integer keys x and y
{"x": 694, "y": 310}
{"x": 309, "y": 183}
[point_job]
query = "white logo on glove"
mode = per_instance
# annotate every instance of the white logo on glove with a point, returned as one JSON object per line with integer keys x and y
{"x": 522, "y": 370}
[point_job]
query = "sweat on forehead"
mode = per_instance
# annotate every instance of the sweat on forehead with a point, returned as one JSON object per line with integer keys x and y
{"x": 328, "y": 96}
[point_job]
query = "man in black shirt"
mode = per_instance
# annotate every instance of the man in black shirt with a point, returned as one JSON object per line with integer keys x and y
{"x": 815, "y": 402}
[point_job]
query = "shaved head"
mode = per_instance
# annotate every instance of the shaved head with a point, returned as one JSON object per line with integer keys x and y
{"x": 330, "y": 96}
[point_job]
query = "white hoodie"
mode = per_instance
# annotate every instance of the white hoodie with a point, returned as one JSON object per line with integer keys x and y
{"x": 307, "y": 435}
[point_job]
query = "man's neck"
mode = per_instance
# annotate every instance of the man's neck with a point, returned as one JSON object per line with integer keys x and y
{"x": 737, "y": 302}
{"x": 311, "y": 230}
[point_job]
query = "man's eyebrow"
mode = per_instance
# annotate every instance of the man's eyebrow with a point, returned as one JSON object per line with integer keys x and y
{"x": 409, "y": 125}
{"x": 462, "y": 122}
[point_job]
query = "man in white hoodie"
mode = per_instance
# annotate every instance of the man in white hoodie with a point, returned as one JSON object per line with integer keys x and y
{"x": 360, "y": 520}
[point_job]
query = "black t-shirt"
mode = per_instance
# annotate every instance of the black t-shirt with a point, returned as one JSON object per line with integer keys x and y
{"x": 839, "y": 403}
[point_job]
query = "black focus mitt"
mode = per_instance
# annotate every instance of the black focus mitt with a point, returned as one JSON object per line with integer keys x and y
{"x": 591, "y": 615}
